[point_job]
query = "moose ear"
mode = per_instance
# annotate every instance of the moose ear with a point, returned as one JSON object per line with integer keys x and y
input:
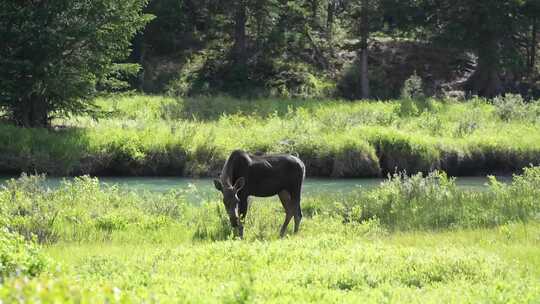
{"x": 218, "y": 185}
{"x": 240, "y": 183}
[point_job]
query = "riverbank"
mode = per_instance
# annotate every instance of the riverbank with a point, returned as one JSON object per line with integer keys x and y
{"x": 435, "y": 241}
{"x": 156, "y": 136}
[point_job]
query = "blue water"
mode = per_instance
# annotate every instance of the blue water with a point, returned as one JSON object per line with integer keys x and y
{"x": 311, "y": 186}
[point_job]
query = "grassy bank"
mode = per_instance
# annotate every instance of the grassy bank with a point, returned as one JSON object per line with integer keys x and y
{"x": 413, "y": 239}
{"x": 145, "y": 135}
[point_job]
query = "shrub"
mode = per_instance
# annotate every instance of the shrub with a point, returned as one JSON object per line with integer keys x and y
{"x": 413, "y": 88}
{"x": 413, "y": 99}
{"x": 19, "y": 257}
{"x": 297, "y": 80}
{"x": 510, "y": 107}
{"x": 29, "y": 208}
{"x": 434, "y": 202}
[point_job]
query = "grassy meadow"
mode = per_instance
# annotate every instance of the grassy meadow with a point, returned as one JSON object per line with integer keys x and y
{"x": 152, "y": 135}
{"x": 417, "y": 239}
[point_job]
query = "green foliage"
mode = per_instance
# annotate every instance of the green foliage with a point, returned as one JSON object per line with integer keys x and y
{"x": 408, "y": 107}
{"x": 212, "y": 223}
{"x": 292, "y": 80}
{"x": 413, "y": 99}
{"x": 486, "y": 28}
{"x": 413, "y": 88}
{"x": 19, "y": 257}
{"x": 435, "y": 202}
{"x": 53, "y": 53}
{"x": 119, "y": 77}
{"x": 29, "y": 210}
{"x": 511, "y": 107}
{"x": 48, "y": 289}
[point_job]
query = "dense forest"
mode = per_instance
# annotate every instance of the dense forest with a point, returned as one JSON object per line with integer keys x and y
{"x": 352, "y": 49}
{"x": 56, "y": 54}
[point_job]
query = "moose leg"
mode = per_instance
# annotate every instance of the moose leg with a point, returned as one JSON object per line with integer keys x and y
{"x": 295, "y": 201}
{"x": 285, "y": 198}
{"x": 242, "y": 212}
{"x": 243, "y": 207}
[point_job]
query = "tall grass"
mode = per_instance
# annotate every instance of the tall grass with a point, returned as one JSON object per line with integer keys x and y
{"x": 416, "y": 238}
{"x": 85, "y": 210}
{"x": 146, "y": 135}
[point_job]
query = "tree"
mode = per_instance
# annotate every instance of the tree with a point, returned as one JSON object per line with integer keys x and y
{"x": 531, "y": 10}
{"x": 484, "y": 27}
{"x": 364, "y": 36}
{"x": 240, "y": 21}
{"x": 330, "y": 19}
{"x": 54, "y": 52}
{"x": 365, "y": 17}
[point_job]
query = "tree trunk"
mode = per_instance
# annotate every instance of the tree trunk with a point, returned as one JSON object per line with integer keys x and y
{"x": 240, "y": 33}
{"x": 259, "y": 15}
{"x": 191, "y": 11}
{"x": 485, "y": 81}
{"x": 138, "y": 55}
{"x": 330, "y": 20}
{"x": 31, "y": 113}
{"x": 364, "y": 36}
{"x": 534, "y": 42}
{"x": 142, "y": 74}
{"x": 315, "y": 13}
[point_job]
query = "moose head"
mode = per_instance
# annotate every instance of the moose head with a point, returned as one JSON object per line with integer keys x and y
{"x": 230, "y": 199}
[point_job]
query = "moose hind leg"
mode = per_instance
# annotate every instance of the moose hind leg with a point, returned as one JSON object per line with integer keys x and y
{"x": 295, "y": 202}
{"x": 286, "y": 201}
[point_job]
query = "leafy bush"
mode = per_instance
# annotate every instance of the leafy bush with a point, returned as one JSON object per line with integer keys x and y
{"x": 119, "y": 78}
{"x": 19, "y": 257}
{"x": 28, "y": 207}
{"x": 413, "y": 99}
{"x": 510, "y": 107}
{"x": 413, "y": 88}
{"x": 434, "y": 202}
{"x": 298, "y": 81}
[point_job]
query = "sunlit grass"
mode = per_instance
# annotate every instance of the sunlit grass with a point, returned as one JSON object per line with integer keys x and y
{"x": 152, "y": 135}
{"x": 415, "y": 239}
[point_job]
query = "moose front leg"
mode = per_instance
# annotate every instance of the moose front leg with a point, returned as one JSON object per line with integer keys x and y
{"x": 243, "y": 208}
{"x": 237, "y": 226}
{"x": 242, "y": 212}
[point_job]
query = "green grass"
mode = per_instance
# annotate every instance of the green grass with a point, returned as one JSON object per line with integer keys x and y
{"x": 436, "y": 267}
{"x": 413, "y": 239}
{"x": 483, "y": 265}
{"x": 145, "y": 135}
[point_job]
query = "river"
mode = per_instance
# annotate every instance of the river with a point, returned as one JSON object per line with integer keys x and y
{"x": 312, "y": 186}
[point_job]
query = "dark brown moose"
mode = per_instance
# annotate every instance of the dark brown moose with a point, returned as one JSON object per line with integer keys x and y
{"x": 245, "y": 175}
